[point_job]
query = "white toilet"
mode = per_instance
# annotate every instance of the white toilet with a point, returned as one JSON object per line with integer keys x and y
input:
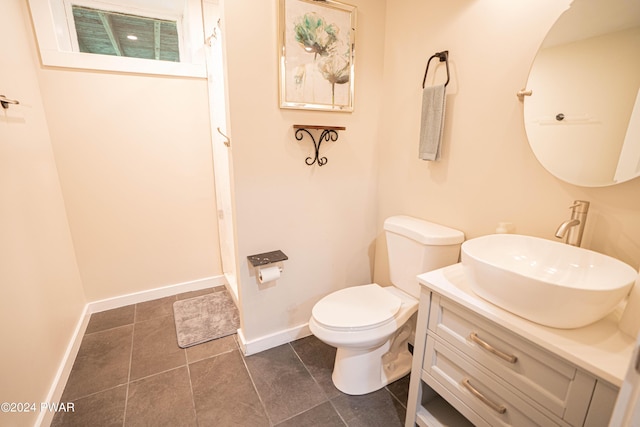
{"x": 370, "y": 325}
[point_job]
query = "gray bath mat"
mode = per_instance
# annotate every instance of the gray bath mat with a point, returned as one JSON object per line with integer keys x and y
{"x": 205, "y": 318}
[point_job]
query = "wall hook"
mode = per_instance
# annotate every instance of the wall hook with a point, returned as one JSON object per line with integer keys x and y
{"x": 227, "y": 141}
{"x": 4, "y": 101}
{"x": 523, "y": 92}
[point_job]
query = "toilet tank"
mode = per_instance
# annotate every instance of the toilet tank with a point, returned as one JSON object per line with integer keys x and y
{"x": 416, "y": 246}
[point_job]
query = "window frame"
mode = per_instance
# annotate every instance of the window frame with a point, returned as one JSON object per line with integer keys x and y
{"x": 55, "y": 32}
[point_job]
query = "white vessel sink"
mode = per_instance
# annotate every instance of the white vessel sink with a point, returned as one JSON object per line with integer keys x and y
{"x": 546, "y": 282}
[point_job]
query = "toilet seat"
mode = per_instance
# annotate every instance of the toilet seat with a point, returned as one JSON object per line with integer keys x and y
{"x": 356, "y": 308}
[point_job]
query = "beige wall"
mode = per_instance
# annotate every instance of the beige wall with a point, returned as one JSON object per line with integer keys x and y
{"x": 134, "y": 159}
{"x": 41, "y": 297}
{"x": 323, "y": 218}
{"x": 488, "y": 172}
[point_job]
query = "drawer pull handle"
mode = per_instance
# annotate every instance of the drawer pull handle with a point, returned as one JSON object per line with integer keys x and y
{"x": 491, "y": 349}
{"x": 501, "y": 409}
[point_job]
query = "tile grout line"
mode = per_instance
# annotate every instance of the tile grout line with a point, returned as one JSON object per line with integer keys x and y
{"x": 386, "y": 388}
{"x": 310, "y": 374}
{"x": 186, "y": 358}
{"x": 253, "y": 384}
{"x": 136, "y": 320}
{"x": 210, "y": 356}
{"x": 156, "y": 373}
{"x": 98, "y": 392}
{"x": 395, "y": 397}
{"x": 319, "y": 386}
{"x": 126, "y": 395}
{"x": 193, "y": 399}
{"x": 115, "y": 326}
{"x": 338, "y": 412}
{"x": 313, "y": 407}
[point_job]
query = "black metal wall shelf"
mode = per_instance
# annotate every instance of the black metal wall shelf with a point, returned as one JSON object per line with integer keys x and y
{"x": 267, "y": 258}
{"x": 329, "y": 133}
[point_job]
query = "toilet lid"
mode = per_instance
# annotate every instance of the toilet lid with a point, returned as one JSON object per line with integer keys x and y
{"x": 356, "y": 307}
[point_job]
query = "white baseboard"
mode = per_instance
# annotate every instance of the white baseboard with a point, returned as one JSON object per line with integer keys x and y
{"x": 272, "y": 340}
{"x": 151, "y": 294}
{"x": 62, "y": 375}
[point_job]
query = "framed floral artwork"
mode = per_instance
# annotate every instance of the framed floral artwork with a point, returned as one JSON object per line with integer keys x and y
{"x": 317, "y": 53}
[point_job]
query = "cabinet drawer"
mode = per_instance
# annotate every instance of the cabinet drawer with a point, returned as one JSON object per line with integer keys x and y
{"x": 543, "y": 377}
{"x": 486, "y": 397}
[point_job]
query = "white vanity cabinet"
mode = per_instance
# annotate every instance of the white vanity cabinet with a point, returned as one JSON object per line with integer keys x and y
{"x": 475, "y": 364}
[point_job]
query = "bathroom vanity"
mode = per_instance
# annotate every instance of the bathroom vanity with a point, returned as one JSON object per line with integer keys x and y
{"x": 476, "y": 364}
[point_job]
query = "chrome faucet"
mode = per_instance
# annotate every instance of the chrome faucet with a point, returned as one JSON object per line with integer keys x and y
{"x": 573, "y": 228}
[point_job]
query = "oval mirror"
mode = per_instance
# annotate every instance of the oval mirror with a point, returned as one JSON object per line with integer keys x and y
{"x": 583, "y": 117}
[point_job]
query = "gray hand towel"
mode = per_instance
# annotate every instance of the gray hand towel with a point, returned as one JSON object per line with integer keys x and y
{"x": 432, "y": 122}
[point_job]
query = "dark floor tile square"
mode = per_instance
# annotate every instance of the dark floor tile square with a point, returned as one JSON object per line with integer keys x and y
{"x": 377, "y": 409}
{"x": 223, "y": 393}
{"x": 161, "y": 400}
{"x": 105, "y": 408}
{"x": 400, "y": 389}
{"x": 102, "y": 363}
{"x": 155, "y": 347}
{"x": 323, "y": 415}
{"x": 111, "y": 319}
{"x": 284, "y": 385}
{"x": 211, "y": 348}
{"x": 156, "y": 308}
{"x": 318, "y": 358}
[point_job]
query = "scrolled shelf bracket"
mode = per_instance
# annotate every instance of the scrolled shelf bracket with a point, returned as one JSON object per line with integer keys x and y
{"x": 329, "y": 133}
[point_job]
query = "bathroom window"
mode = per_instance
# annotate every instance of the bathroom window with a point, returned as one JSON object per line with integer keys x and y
{"x": 112, "y": 33}
{"x": 133, "y": 36}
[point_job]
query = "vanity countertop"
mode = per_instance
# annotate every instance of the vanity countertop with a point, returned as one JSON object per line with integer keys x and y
{"x": 600, "y": 348}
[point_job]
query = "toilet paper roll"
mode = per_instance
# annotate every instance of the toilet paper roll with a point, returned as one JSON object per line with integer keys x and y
{"x": 630, "y": 320}
{"x": 268, "y": 274}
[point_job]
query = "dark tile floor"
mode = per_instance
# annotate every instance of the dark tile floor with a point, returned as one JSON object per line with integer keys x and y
{"x": 129, "y": 371}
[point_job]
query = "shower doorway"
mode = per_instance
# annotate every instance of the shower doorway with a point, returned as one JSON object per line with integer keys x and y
{"x": 221, "y": 144}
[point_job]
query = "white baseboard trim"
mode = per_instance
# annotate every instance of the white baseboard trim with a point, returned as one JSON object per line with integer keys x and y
{"x": 62, "y": 375}
{"x": 272, "y": 340}
{"x": 151, "y": 294}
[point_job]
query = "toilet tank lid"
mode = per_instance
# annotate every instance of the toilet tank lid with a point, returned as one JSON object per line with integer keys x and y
{"x": 425, "y": 232}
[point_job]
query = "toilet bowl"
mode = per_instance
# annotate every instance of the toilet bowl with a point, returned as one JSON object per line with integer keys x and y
{"x": 360, "y": 322}
{"x": 370, "y": 325}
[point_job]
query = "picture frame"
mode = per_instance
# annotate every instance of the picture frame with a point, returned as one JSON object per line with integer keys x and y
{"x": 317, "y": 55}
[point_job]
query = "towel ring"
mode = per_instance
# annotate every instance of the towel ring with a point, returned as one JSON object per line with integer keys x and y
{"x": 443, "y": 57}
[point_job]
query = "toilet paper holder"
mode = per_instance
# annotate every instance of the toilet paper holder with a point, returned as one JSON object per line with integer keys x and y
{"x": 264, "y": 265}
